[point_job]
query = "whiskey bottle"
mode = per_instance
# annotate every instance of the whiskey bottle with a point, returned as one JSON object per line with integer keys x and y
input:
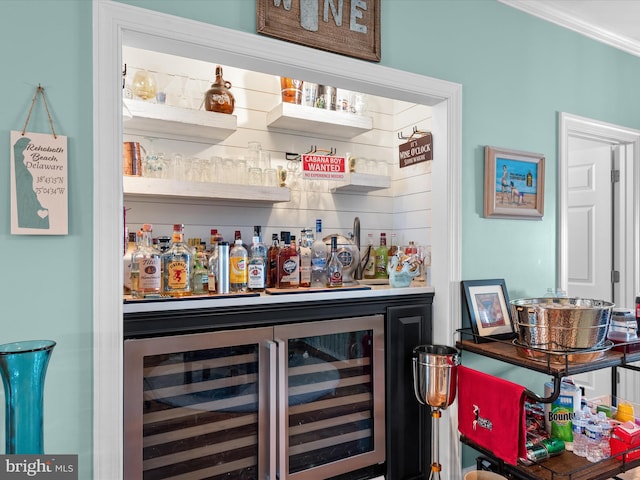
{"x": 272, "y": 261}
{"x": 238, "y": 268}
{"x": 334, "y": 266}
{"x": 257, "y": 264}
{"x": 382, "y": 257}
{"x": 178, "y": 262}
{"x": 288, "y": 266}
{"x": 304, "y": 252}
{"x": 146, "y": 262}
{"x": 318, "y": 259}
{"x": 218, "y": 98}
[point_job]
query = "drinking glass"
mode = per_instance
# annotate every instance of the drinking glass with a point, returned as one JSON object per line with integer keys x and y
{"x": 177, "y": 170}
{"x": 215, "y": 169}
{"x": 240, "y": 172}
{"x": 253, "y": 159}
{"x": 227, "y": 171}
{"x": 291, "y": 90}
{"x": 265, "y": 160}
{"x": 205, "y": 170}
{"x": 309, "y": 94}
{"x": 144, "y": 84}
{"x": 255, "y": 176}
{"x": 270, "y": 177}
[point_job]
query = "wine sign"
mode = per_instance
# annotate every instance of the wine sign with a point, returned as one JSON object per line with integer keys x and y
{"x": 416, "y": 150}
{"x": 323, "y": 167}
{"x": 348, "y": 27}
{"x": 39, "y": 204}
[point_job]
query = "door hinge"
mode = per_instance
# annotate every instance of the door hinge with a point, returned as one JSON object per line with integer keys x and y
{"x": 615, "y": 276}
{"x": 615, "y": 176}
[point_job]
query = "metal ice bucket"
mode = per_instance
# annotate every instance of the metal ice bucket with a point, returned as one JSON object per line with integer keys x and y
{"x": 561, "y": 323}
{"x": 435, "y": 374}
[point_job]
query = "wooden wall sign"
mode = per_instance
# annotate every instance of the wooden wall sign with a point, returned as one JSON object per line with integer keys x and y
{"x": 416, "y": 150}
{"x": 348, "y": 27}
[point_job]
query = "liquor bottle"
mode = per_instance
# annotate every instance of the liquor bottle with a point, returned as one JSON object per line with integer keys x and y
{"x": 318, "y": 259}
{"x": 288, "y": 265}
{"x": 257, "y": 264}
{"x": 393, "y": 248}
{"x": 177, "y": 264}
{"x": 200, "y": 274}
{"x": 134, "y": 269}
{"x": 304, "y": 252}
{"x": 131, "y": 247}
{"x": 146, "y": 262}
{"x": 272, "y": 261}
{"x": 382, "y": 257}
{"x": 334, "y": 266}
{"x": 238, "y": 268}
{"x": 369, "y": 259}
{"x": 218, "y": 98}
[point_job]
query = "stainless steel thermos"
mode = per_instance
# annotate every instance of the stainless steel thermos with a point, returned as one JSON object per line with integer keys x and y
{"x": 223, "y": 267}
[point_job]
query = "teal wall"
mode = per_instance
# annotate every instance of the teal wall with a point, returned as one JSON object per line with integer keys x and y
{"x": 517, "y": 73}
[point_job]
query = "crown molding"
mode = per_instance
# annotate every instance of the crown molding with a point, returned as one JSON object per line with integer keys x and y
{"x": 547, "y": 11}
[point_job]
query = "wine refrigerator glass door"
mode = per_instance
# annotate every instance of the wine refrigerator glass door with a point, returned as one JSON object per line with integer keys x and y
{"x": 330, "y": 397}
{"x": 195, "y": 406}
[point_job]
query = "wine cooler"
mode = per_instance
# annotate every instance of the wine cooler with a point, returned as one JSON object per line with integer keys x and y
{"x": 297, "y": 401}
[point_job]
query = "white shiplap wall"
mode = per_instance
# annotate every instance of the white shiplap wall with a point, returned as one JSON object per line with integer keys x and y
{"x": 405, "y": 208}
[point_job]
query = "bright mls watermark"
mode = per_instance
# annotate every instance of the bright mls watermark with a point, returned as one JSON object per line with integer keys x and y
{"x": 50, "y": 467}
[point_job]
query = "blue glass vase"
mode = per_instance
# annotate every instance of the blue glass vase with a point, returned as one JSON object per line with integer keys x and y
{"x": 23, "y": 366}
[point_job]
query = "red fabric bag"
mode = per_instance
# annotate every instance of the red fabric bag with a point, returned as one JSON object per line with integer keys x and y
{"x": 491, "y": 414}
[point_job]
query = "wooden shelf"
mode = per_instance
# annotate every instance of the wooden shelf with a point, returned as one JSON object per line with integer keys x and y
{"x": 159, "y": 188}
{"x": 289, "y": 116}
{"x": 364, "y": 182}
{"x": 175, "y": 123}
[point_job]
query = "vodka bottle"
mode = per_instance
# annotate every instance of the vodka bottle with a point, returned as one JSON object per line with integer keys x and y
{"x": 334, "y": 266}
{"x": 579, "y": 438}
{"x": 304, "y": 252}
{"x": 257, "y": 265}
{"x": 318, "y": 259}
{"x": 238, "y": 268}
{"x": 134, "y": 267}
{"x": 146, "y": 263}
{"x": 212, "y": 270}
{"x": 177, "y": 265}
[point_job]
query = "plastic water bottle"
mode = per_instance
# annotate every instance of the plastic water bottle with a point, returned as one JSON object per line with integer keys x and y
{"x": 606, "y": 428}
{"x": 579, "y": 438}
{"x": 594, "y": 440}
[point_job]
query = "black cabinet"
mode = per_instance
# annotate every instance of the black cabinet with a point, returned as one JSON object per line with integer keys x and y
{"x": 408, "y": 423}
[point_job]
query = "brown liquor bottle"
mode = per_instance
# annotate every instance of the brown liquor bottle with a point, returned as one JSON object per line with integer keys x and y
{"x": 218, "y": 98}
{"x": 288, "y": 264}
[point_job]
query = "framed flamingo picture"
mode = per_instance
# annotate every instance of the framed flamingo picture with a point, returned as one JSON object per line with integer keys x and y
{"x": 513, "y": 184}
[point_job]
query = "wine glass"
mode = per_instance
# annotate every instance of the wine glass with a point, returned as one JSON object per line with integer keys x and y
{"x": 144, "y": 85}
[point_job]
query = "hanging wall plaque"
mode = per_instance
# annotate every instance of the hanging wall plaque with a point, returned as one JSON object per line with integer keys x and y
{"x": 348, "y": 27}
{"x": 39, "y": 203}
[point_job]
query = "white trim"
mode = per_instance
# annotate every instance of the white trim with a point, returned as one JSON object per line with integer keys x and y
{"x": 114, "y": 23}
{"x": 550, "y": 12}
{"x": 575, "y": 126}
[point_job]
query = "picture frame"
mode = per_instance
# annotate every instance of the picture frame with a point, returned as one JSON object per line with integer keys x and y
{"x": 486, "y": 303}
{"x": 353, "y": 30}
{"x": 513, "y": 184}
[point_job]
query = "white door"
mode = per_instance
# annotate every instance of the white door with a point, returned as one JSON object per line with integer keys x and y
{"x": 589, "y": 220}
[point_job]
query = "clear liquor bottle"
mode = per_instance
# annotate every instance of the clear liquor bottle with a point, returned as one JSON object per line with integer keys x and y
{"x": 318, "y": 259}
{"x": 146, "y": 262}
{"x": 334, "y": 266}
{"x": 288, "y": 264}
{"x": 238, "y": 268}
{"x": 212, "y": 270}
{"x": 200, "y": 274}
{"x": 369, "y": 259}
{"x": 134, "y": 269}
{"x": 178, "y": 264}
{"x": 304, "y": 252}
{"x": 257, "y": 263}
